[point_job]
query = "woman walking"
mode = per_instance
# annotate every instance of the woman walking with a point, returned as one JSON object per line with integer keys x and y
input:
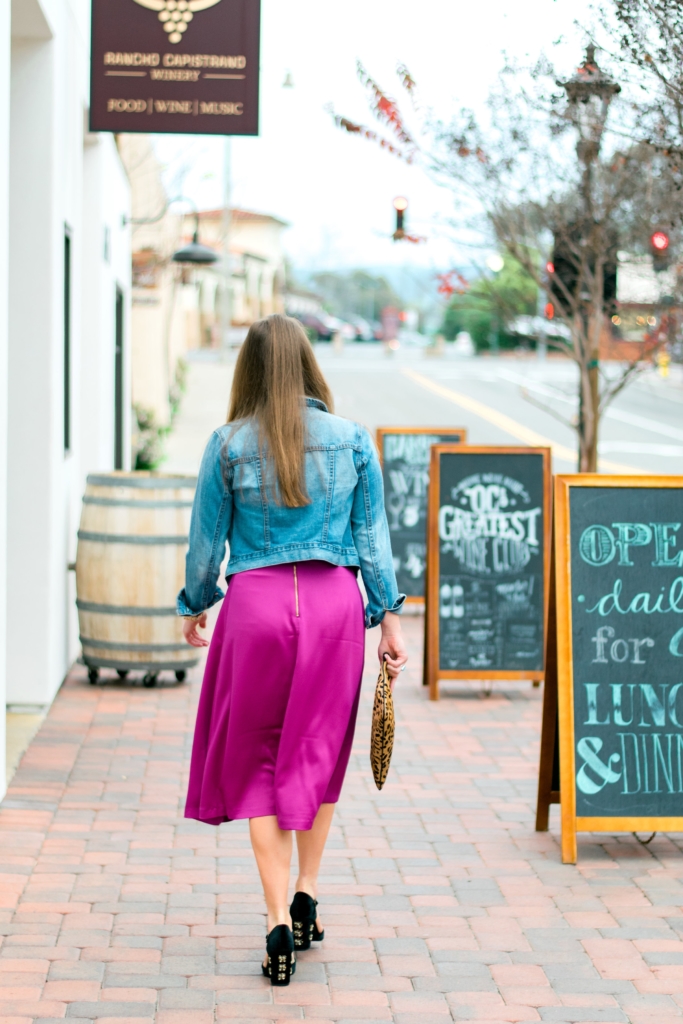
{"x": 297, "y": 494}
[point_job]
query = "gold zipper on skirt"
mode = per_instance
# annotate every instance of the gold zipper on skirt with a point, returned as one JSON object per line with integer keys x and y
{"x": 296, "y": 592}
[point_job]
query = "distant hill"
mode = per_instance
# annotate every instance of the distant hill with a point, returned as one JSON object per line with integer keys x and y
{"x": 416, "y": 286}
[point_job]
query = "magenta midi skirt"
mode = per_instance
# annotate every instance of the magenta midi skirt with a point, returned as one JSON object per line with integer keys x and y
{"x": 278, "y": 706}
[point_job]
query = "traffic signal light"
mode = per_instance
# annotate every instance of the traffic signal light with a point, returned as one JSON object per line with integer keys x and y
{"x": 565, "y": 266}
{"x": 660, "y": 249}
{"x": 400, "y": 205}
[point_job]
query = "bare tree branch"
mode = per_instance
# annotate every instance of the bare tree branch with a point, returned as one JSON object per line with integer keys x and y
{"x": 518, "y": 169}
{"x": 528, "y": 396}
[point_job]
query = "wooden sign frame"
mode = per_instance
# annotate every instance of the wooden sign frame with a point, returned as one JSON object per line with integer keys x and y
{"x": 382, "y": 432}
{"x": 549, "y": 765}
{"x": 571, "y": 824}
{"x": 433, "y": 674}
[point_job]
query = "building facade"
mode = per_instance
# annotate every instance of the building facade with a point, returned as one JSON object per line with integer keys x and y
{"x": 257, "y": 271}
{"x": 158, "y": 330}
{"x": 65, "y": 285}
{"x": 177, "y": 307}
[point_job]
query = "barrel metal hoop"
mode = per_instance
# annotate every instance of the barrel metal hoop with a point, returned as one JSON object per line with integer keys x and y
{"x": 121, "y": 609}
{"x": 132, "y": 538}
{"x": 93, "y": 661}
{"x": 111, "y": 645}
{"x": 130, "y": 503}
{"x": 149, "y": 483}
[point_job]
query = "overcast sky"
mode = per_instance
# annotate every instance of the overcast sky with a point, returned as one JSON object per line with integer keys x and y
{"x": 335, "y": 190}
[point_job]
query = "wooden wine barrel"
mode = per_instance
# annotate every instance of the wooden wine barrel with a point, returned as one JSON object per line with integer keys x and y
{"x": 130, "y": 565}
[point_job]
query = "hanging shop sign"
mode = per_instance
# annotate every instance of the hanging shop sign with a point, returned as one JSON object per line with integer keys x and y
{"x": 404, "y": 452}
{"x": 488, "y": 563}
{"x": 175, "y": 66}
{"x": 619, "y": 688}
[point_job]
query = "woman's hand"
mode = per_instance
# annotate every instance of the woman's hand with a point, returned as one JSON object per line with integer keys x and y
{"x": 391, "y": 649}
{"x": 190, "y": 633}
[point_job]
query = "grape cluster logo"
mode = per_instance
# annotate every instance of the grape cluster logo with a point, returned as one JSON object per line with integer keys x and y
{"x": 175, "y": 15}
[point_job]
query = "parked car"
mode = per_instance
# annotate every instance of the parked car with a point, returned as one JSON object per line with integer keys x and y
{"x": 319, "y": 326}
{"x": 362, "y": 329}
{"x": 347, "y": 330}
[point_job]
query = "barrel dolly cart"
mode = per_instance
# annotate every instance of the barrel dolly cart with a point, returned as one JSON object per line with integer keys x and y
{"x": 151, "y": 669}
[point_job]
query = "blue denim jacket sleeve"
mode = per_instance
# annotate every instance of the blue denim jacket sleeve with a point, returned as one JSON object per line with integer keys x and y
{"x": 211, "y": 515}
{"x": 371, "y": 536}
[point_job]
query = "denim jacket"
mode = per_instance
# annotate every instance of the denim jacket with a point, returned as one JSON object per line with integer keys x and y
{"x": 344, "y": 524}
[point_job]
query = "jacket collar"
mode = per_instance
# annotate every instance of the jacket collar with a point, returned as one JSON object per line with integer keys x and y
{"x": 315, "y": 403}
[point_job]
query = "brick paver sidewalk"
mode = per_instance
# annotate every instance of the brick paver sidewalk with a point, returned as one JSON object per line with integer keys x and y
{"x": 439, "y": 899}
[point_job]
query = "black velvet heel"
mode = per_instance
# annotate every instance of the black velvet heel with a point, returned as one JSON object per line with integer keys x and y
{"x": 280, "y": 949}
{"x": 304, "y": 917}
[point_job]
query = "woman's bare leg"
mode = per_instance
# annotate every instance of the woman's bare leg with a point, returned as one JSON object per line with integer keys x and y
{"x": 273, "y": 851}
{"x": 311, "y": 846}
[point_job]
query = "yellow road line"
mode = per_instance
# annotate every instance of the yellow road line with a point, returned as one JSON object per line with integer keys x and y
{"x": 510, "y": 426}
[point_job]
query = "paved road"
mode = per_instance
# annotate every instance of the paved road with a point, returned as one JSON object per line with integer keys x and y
{"x": 499, "y": 401}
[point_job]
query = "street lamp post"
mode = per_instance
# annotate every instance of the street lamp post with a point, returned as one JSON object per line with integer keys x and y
{"x": 192, "y": 254}
{"x": 589, "y": 93}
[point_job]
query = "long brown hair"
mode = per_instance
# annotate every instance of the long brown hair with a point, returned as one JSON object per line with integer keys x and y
{"x": 276, "y": 367}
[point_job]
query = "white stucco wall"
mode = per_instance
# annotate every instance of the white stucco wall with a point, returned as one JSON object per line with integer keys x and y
{"x": 59, "y": 179}
{"x": 5, "y": 28}
{"x": 106, "y": 265}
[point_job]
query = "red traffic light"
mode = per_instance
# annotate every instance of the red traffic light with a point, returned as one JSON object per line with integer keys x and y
{"x": 659, "y": 241}
{"x": 400, "y": 205}
{"x": 550, "y": 267}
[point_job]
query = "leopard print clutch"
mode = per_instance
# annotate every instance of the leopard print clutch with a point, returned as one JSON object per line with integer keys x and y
{"x": 383, "y": 728}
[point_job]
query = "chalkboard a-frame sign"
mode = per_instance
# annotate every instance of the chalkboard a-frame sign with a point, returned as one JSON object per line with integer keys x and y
{"x": 488, "y": 563}
{"x": 619, "y": 592}
{"x": 404, "y": 452}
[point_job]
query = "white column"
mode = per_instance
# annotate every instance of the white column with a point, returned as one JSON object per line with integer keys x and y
{"x": 37, "y": 529}
{"x": 5, "y": 32}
